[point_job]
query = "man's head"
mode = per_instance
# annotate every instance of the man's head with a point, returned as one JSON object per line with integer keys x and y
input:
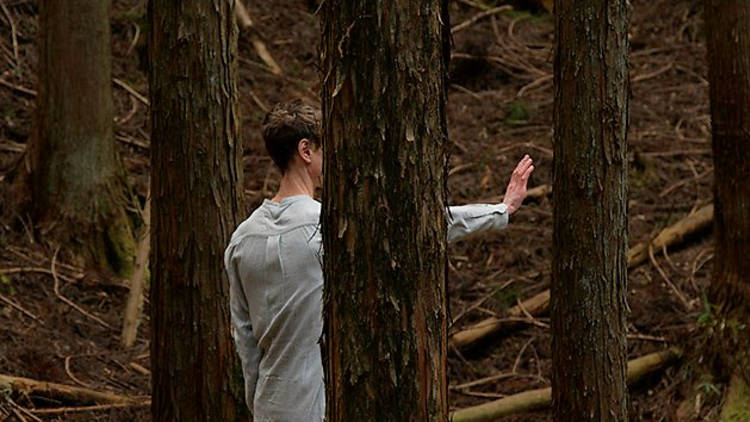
{"x": 291, "y": 132}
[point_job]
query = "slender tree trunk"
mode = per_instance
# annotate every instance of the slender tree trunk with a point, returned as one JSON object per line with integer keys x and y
{"x": 384, "y": 209}
{"x": 728, "y": 36}
{"x": 590, "y": 211}
{"x": 196, "y": 200}
{"x": 77, "y": 183}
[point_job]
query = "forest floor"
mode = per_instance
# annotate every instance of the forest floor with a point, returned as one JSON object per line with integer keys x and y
{"x": 500, "y": 107}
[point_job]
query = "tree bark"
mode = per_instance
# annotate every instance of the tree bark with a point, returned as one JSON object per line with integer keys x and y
{"x": 728, "y": 45}
{"x": 384, "y": 211}
{"x": 590, "y": 211}
{"x": 196, "y": 203}
{"x": 78, "y": 187}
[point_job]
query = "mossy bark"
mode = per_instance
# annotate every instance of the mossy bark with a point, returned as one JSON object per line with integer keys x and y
{"x": 196, "y": 189}
{"x": 384, "y": 222}
{"x": 589, "y": 263}
{"x": 78, "y": 187}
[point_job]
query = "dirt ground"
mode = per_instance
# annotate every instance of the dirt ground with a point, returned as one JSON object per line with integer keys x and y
{"x": 500, "y": 107}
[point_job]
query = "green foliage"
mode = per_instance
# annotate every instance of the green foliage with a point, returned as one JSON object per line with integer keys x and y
{"x": 516, "y": 113}
{"x": 708, "y": 388}
{"x": 507, "y": 298}
{"x": 7, "y": 284}
{"x": 706, "y": 315}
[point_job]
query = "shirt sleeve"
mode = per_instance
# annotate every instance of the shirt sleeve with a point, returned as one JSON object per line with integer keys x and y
{"x": 467, "y": 220}
{"x": 242, "y": 330}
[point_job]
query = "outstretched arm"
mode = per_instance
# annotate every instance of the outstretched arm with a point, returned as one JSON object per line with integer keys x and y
{"x": 467, "y": 220}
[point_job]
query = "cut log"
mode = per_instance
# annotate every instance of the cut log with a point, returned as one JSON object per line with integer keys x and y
{"x": 133, "y": 308}
{"x": 489, "y": 326}
{"x": 61, "y": 392}
{"x": 538, "y": 304}
{"x": 540, "y": 398}
{"x": 673, "y": 234}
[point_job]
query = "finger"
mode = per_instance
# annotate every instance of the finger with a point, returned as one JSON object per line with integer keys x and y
{"x": 527, "y": 173}
{"x": 524, "y": 163}
{"x": 521, "y": 169}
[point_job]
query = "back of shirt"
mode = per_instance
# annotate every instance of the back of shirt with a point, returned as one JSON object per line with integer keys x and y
{"x": 276, "y": 294}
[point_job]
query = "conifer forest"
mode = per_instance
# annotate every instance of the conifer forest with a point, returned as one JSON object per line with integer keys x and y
{"x": 375, "y": 210}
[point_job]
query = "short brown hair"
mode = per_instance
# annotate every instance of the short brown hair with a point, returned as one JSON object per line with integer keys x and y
{"x": 287, "y": 124}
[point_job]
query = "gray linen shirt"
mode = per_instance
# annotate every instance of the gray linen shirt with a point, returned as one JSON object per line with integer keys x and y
{"x": 276, "y": 299}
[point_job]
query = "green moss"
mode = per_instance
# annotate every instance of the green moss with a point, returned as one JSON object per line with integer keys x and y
{"x": 120, "y": 247}
{"x": 737, "y": 404}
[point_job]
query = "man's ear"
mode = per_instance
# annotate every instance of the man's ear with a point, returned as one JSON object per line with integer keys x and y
{"x": 303, "y": 150}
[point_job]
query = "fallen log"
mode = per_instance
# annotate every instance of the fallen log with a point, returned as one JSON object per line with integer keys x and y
{"x": 540, "y": 398}
{"x": 539, "y": 303}
{"x": 61, "y": 392}
{"x": 671, "y": 235}
{"x": 489, "y": 326}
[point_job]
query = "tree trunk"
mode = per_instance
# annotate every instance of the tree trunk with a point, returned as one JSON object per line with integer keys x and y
{"x": 78, "y": 187}
{"x": 196, "y": 194}
{"x": 728, "y": 37}
{"x": 590, "y": 211}
{"x": 384, "y": 210}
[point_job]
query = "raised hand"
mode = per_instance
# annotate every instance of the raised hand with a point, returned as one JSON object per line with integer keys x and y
{"x": 515, "y": 193}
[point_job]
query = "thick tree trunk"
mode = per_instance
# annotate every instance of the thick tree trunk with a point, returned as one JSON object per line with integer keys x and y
{"x": 384, "y": 210}
{"x": 77, "y": 183}
{"x": 590, "y": 211}
{"x": 196, "y": 200}
{"x": 728, "y": 36}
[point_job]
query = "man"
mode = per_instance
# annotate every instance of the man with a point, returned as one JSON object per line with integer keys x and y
{"x": 276, "y": 280}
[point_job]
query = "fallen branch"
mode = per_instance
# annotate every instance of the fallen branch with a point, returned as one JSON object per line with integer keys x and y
{"x": 137, "y": 95}
{"x": 672, "y": 234}
{"x": 68, "y": 301}
{"x": 62, "y": 392}
{"x": 474, "y": 19}
{"x": 539, "y": 191}
{"x": 489, "y": 326}
{"x": 243, "y": 18}
{"x": 132, "y": 316}
{"x": 539, "y": 303}
{"x": 536, "y": 399}
{"x": 98, "y": 407}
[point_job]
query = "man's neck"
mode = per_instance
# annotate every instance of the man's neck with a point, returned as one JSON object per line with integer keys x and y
{"x": 294, "y": 182}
